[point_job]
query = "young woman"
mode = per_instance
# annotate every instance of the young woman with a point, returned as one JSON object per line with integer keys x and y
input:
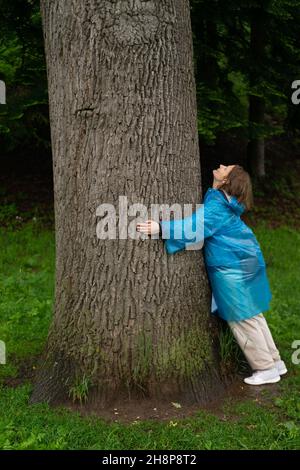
{"x": 235, "y": 266}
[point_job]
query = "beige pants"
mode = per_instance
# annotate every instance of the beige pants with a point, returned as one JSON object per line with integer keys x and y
{"x": 256, "y": 341}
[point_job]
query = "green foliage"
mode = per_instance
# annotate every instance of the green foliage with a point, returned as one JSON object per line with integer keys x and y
{"x": 18, "y": 208}
{"x": 228, "y": 70}
{"x": 79, "y": 391}
{"x": 222, "y": 58}
{"x": 218, "y": 114}
{"x": 232, "y": 358}
{"x": 24, "y": 120}
{"x": 8, "y": 211}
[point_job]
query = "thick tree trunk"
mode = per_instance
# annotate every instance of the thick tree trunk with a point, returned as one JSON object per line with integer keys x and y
{"x": 128, "y": 317}
{"x": 256, "y": 145}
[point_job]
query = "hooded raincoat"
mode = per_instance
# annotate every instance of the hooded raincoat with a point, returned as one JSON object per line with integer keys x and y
{"x": 235, "y": 265}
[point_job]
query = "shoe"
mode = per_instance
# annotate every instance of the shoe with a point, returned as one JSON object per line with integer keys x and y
{"x": 267, "y": 376}
{"x": 281, "y": 367}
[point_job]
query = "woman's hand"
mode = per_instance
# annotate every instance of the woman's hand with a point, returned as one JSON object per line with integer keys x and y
{"x": 150, "y": 227}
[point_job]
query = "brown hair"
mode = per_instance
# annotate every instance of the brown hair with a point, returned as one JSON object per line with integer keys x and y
{"x": 239, "y": 184}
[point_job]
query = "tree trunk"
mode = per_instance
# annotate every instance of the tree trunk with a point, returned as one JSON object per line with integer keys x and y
{"x": 129, "y": 319}
{"x": 256, "y": 144}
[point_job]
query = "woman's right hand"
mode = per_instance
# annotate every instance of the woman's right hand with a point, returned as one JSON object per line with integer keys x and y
{"x": 150, "y": 227}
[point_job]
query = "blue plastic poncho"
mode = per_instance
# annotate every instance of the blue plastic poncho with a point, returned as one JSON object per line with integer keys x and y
{"x": 235, "y": 265}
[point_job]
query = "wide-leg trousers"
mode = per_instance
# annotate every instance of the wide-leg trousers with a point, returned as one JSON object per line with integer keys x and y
{"x": 256, "y": 341}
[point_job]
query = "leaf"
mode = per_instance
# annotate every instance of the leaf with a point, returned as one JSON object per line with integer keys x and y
{"x": 177, "y": 405}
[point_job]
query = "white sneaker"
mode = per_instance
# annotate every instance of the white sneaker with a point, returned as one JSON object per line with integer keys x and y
{"x": 267, "y": 376}
{"x": 281, "y": 367}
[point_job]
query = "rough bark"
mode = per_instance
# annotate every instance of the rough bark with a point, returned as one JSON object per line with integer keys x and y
{"x": 130, "y": 318}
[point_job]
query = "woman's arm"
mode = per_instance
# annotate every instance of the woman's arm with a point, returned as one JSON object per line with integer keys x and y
{"x": 178, "y": 234}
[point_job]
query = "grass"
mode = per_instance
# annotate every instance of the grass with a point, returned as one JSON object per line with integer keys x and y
{"x": 27, "y": 289}
{"x": 39, "y": 427}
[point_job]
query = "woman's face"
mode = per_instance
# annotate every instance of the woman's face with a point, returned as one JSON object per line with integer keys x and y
{"x": 221, "y": 173}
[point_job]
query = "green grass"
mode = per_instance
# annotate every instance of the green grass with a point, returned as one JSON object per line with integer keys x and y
{"x": 40, "y": 427}
{"x": 27, "y": 286}
{"x": 26, "y": 291}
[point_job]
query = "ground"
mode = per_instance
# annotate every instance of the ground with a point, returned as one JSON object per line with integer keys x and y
{"x": 129, "y": 411}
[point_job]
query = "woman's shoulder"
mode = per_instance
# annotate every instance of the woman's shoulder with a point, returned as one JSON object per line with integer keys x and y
{"x": 213, "y": 193}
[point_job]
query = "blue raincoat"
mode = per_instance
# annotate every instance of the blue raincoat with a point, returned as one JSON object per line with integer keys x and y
{"x": 235, "y": 265}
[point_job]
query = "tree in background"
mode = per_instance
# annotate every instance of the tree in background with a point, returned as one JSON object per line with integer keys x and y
{"x": 258, "y": 41}
{"x": 247, "y": 56}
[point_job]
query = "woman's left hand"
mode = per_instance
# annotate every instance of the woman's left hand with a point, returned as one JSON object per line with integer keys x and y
{"x": 150, "y": 227}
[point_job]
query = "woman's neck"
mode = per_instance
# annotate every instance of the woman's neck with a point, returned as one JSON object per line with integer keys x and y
{"x": 216, "y": 186}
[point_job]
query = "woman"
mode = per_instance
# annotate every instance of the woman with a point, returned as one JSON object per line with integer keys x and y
{"x": 235, "y": 266}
